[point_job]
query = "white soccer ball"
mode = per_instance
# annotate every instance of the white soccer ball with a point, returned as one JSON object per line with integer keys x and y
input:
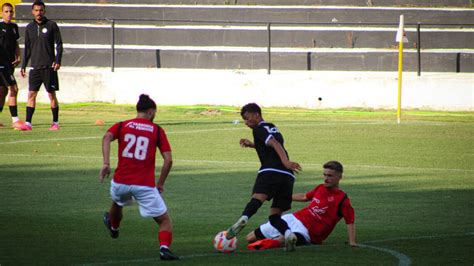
{"x": 221, "y": 244}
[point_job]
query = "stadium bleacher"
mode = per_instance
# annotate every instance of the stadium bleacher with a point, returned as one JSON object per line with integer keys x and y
{"x": 230, "y": 34}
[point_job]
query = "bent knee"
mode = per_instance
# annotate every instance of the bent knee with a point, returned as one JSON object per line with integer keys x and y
{"x": 251, "y": 237}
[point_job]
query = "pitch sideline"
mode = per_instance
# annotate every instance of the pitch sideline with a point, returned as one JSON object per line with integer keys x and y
{"x": 403, "y": 260}
{"x": 309, "y": 165}
{"x": 218, "y": 129}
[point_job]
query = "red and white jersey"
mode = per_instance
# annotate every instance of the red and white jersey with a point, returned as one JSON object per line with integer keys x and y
{"x": 138, "y": 139}
{"x": 322, "y": 214}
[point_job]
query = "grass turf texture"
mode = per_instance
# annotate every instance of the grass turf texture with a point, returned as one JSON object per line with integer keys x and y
{"x": 411, "y": 185}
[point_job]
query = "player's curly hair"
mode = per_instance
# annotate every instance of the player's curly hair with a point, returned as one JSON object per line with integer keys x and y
{"x": 334, "y": 165}
{"x": 251, "y": 108}
{"x": 144, "y": 103}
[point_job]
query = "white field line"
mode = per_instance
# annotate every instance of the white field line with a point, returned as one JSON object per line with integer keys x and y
{"x": 217, "y": 162}
{"x": 223, "y": 162}
{"x": 98, "y": 137}
{"x": 403, "y": 260}
{"x": 47, "y": 140}
{"x": 188, "y": 132}
{"x": 250, "y": 7}
{"x": 417, "y": 238}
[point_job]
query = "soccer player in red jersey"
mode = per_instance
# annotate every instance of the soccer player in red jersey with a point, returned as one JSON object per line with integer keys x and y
{"x": 134, "y": 177}
{"x": 312, "y": 224}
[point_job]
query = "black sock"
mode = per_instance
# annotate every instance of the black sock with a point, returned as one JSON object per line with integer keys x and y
{"x": 13, "y": 110}
{"x": 29, "y": 113}
{"x": 252, "y": 207}
{"x": 1, "y": 109}
{"x": 55, "y": 112}
{"x": 278, "y": 223}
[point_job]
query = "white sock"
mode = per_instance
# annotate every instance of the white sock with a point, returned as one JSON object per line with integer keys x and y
{"x": 28, "y": 123}
{"x": 15, "y": 119}
{"x": 288, "y": 233}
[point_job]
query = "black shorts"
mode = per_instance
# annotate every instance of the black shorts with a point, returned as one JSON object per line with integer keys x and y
{"x": 6, "y": 76}
{"x": 46, "y": 76}
{"x": 276, "y": 186}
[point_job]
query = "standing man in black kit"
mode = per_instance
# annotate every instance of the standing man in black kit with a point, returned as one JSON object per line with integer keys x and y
{"x": 9, "y": 59}
{"x": 44, "y": 45}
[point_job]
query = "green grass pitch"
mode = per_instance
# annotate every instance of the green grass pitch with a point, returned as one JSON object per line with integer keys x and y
{"x": 412, "y": 186}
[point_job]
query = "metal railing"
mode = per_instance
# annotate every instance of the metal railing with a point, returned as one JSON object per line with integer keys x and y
{"x": 269, "y": 25}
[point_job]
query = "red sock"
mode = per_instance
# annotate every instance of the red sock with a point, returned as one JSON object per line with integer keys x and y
{"x": 165, "y": 238}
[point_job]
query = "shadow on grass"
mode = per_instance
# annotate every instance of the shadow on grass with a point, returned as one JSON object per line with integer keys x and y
{"x": 51, "y": 212}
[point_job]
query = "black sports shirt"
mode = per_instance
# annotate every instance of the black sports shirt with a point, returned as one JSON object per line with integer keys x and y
{"x": 40, "y": 42}
{"x": 269, "y": 159}
{"x": 9, "y": 36}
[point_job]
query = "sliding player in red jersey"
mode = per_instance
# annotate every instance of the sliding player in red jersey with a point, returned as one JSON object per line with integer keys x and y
{"x": 312, "y": 224}
{"x": 134, "y": 177}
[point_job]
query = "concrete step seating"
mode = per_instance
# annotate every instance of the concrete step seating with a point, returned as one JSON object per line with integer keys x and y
{"x": 237, "y": 38}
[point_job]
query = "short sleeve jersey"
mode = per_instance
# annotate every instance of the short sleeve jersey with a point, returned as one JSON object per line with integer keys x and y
{"x": 138, "y": 139}
{"x": 269, "y": 159}
{"x": 323, "y": 212}
{"x": 9, "y": 36}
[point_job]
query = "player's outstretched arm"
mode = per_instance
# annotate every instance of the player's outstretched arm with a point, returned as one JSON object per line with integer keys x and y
{"x": 105, "y": 170}
{"x": 165, "y": 170}
{"x": 299, "y": 197}
{"x": 351, "y": 234}
{"x": 283, "y": 157}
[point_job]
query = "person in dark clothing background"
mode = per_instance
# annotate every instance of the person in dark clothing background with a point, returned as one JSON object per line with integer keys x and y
{"x": 9, "y": 59}
{"x": 44, "y": 46}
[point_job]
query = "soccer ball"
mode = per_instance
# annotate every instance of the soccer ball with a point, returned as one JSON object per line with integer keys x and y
{"x": 221, "y": 244}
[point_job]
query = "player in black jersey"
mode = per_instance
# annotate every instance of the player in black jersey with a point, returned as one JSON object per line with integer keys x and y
{"x": 9, "y": 59}
{"x": 44, "y": 46}
{"x": 275, "y": 177}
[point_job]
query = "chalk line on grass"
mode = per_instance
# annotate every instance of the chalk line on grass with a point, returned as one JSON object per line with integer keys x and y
{"x": 307, "y": 124}
{"x": 403, "y": 260}
{"x": 99, "y": 137}
{"x": 307, "y": 165}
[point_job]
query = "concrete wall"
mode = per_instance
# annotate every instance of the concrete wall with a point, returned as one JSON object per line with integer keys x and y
{"x": 431, "y": 91}
{"x": 219, "y": 47}
{"x": 465, "y": 3}
{"x": 306, "y": 14}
